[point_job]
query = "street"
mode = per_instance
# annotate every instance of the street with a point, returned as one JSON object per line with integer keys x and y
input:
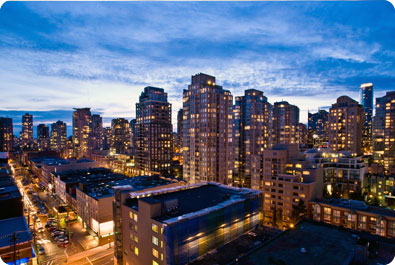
{"x": 83, "y": 247}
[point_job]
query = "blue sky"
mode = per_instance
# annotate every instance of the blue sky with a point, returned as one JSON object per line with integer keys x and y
{"x": 60, "y": 55}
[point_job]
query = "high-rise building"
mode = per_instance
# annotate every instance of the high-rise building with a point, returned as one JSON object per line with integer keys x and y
{"x": 121, "y": 136}
{"x": 384, "y": 131}
{"x": 318, "y": 127}
{"x": 27, "y": 131}
{"x": 154, "y": 131}
{"x": 345, "y": 125}
{"x": 252, "y": 116}
{"x": 133, "y": 131}
{"x": 366, "y": 94}
{"x": 97, "y": 136}
{"x": 82, "y": 130}
{"x": 285, "y": 123}
{"x": 6, "y": 135}
{"x": 58, "y": 139}
{"x": 107, "y": 138}
{"x": 208, "y": 126}
{"x": 302, "y": 133}
{"x": 43, "y": 137}
{"x": 180, "y": 117}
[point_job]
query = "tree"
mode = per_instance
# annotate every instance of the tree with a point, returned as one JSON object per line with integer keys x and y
{"x": 298, "y": 211}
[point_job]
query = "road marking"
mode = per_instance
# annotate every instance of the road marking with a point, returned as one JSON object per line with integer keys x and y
{"x": 89, "y": 261}
{"x": 65, "y": 252}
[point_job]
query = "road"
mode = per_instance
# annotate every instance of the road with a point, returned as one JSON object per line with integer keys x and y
{"x": 83, "y": 246}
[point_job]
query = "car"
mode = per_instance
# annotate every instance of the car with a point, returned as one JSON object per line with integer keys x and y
{"x": 41, "y": 230}
{"x": 41, "y": 250}
{"x": 63, "y": 245}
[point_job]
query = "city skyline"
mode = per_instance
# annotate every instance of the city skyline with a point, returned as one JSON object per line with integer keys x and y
{"x": 314, "y": 48}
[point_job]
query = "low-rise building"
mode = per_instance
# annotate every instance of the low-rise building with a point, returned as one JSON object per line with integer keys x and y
{"x": 311, "y": 243}
{"x": 289, "y": 181}
{"x": 15, "y": 241}
{"x": 355, "y": 215}
{"x": 179, "y": 224}
{"x": 343, "y": 171}
{"x": 94, "y": 201}
{"x": 10, "y": 198}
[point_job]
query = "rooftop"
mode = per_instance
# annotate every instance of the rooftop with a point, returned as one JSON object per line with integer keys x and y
{"x": 11, "y": 225}
{"x": 105, "y": 189}
{"x": 91, "y": 174}
{"x": 192, "y": 198}
{"x": 357, "y": 206}
{"x": 313, "y": 243}
{"x": 8, "y": 189}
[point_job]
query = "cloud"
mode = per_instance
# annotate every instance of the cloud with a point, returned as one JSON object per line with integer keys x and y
{"x": 102, "y": 54}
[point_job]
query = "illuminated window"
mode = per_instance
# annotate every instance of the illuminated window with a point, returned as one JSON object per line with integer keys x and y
{"x": 155, "y": 240}
{"x": 136, "y": 251}
{"x": 155, "y": 253}
{"x": 135, "y": 217}
{"x": 154, "y": 262}
{"x": 155, "y": 228}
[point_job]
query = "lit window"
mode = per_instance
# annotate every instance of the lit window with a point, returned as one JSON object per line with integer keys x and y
{"x": 155, "y": 240}
{"x": 155, "y": 253}
{"x": 136, "y": 251}
{"x": 135, "y": 217}
{"x": 154, "y": 262}
{"x": 155, "y": 228}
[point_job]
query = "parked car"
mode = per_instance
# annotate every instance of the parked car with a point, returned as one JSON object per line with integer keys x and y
{"x": 63, "y": 245}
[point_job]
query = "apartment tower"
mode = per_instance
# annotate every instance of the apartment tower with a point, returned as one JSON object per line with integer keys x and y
{"x": 207, "y": 125}
{"x": 154, "y": 131}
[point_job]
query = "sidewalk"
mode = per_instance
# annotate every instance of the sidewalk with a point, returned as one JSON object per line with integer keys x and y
{"x": 90, "y": 252}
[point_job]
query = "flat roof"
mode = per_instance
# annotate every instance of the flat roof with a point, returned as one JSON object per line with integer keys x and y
{"x": 323, "y": 244}
{"x": 357, "y": 206}
{"x": 11, "y": 225}
{"x": 8, "y": 189}
{"x": 82, "y": 175}
{"x": 105, "y": 189}
{"x": 193, "y": 198}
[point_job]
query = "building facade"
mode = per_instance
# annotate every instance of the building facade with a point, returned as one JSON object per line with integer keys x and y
{"x": 207, "y": 131}
{"x": 6, "y": 135}
{"x": 43, "y": 137}
{"x": 345, "y": 125}
{"x": 82, "y": 131}
{"x": 384, "y": 131}
{"x": 154, "y": 131}
{"x": 27, "y": 131}
{"x": 252, "y": 117}
{"x": 58, "y": 139}
{"x": 179, "y": 224}
{"x": 318, "y": 127}
{"x": 121, "y": 136}
{"x": 366, "y": 100}
{"x": 355, "y": 215}
{"x": 285, "y": 123}
{"x": 97, "y": 136}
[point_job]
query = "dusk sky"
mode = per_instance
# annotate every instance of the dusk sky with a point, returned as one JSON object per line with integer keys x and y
{"x": 61, "y": 55}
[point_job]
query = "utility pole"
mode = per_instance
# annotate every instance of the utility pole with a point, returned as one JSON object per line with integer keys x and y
{"x": 14, "y": 239}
